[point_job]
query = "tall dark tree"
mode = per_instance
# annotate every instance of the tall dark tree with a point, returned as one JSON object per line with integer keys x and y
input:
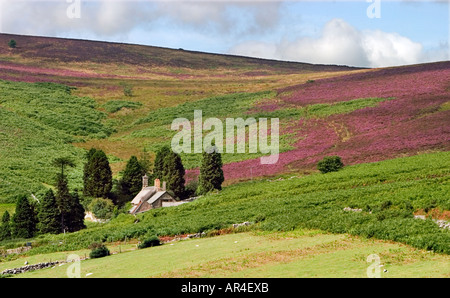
{"x": 87, "y": 170}
{"x": 174, "y": 174}
{"x": 145, "y": 162}
{"x": 63, "y": 201}
{"x": 76, "y": 216}
{"x": 49, "y": 215}
{"x": 23, "y": 221}
{"x": 131, "y": 182}
{"x": 211, "y": 173}
{"x": 63, "y": 162}
{"x": 158, "y": 169}
{"x": 97, "y": 174}
{"x": 5, "y": 227}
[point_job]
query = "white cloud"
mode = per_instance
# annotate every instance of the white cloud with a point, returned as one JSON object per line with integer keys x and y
{"x": 341, "y": 43}
{"x": 387, "y": 49}
{"x": 249, "y": 28}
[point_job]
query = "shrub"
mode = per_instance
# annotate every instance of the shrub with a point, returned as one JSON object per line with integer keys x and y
{"x": 330, "y": 164}
{"x": 150, "y": 241}
{"x": 102, "y": 208}
{"x": 191, "y": 188}
{"x": 12, "y": 43}
{"x": 99, "y": 250}
{"x": 127, "y": 90}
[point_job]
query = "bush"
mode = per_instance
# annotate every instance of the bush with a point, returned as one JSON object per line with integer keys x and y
{"x": 191, "y": 188}
{"x": 12, "y": 43}
{"x": 99, "y": 250}
{"x": 149, "y": 242}
{"x": 330, "y": 164}
{"x": 102, "y": 208}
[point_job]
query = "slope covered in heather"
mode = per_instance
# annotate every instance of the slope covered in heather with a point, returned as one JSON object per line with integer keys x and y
{"x": 362, "y": 115}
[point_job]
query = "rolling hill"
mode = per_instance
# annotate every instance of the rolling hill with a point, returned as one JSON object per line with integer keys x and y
{"x": 60, "y": 97}
{"x": 362, "y": 115}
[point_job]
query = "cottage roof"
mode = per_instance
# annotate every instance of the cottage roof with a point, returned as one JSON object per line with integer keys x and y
{"x": 144, "y": 195}
{"x": 156, "y": 196}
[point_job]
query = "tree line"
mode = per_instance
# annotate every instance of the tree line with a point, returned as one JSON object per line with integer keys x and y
{"x": 63, "y": 211}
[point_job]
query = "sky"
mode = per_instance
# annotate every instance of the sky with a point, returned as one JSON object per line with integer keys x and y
{"x": 364, "y": 33}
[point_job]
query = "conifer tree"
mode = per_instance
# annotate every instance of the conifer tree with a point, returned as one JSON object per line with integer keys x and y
{"x": 131, "y": 182}
{"x": 211, "y": 173}
{"x": 174, "y": 174}
{"x": 5, "y": 227}
{"x": 97, "y": 174}
{"x": 62, "y": 162}
{"x": 159, "y": 170}
{"x": 76, "y": 216}
{"x": 23, "y": 221}
{"x": 87, "y": 170}
{"x": 63, "y": 201}
{"x": 49, "y": 215}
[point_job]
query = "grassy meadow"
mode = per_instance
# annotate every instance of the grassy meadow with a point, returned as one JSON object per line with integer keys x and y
{"x": 297, "y": 253}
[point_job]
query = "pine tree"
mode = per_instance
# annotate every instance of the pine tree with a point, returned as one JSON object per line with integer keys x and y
{"x": 174, "y": 174}
{"x": 159, "y": 170}
{"x": 5, "y": 228}
{"x": 23, "y": 221}
{"x": 49, "y": 215}
{"x": 63, "y": 201}
{"x": 97, "y": 174}
{"x": 145, "y": 162}
{"x": 87, "y": 170}
{"x": 62, "y": 162}
{"x": 211, "y": 173}
{"x": 131, "y": 182}
{"x": 76, "y": 217}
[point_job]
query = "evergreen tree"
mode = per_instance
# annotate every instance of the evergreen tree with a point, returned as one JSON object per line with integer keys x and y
{"x": 75, "y": 218}
{"x": 145, "y": 162}
{"x": 63, "y": 201}
{"x": 87, "y": 169}
{"x": 23, "y": 221}
{"x": 62, "y": 162}
{"x": 97, "y": 174}
{"x": 49, "y": 215}
{"x": 131, "y": 182}
{"x": 5, "y": 228}
{"x": 211, "y": 173}
{"x": 159, "y": 170}
{"x": 174, "y": 174}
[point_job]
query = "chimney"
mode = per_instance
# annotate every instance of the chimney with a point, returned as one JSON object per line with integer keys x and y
{"x": 157, "y": 184}
{"x": 144, "y": 181}
{"x": 164, "y": 186}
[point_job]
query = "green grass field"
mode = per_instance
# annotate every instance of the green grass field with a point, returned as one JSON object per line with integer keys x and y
{"x": 298, "y": 253}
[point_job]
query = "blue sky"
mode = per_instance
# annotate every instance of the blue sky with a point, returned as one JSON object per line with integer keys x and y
{"x": 330, "y": 32}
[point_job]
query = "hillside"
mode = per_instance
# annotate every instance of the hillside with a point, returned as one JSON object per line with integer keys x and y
{"x": 295, "y": 222}
{"x": 363, "y": 115}
{"x": 61, "y": 97}
{"x": 97, "y": 73}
